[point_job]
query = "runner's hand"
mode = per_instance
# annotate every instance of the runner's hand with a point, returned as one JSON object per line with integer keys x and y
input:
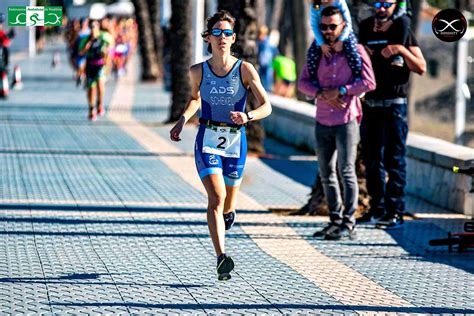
{"x": 176, "y": 130}
{"x": 238, "y": 118}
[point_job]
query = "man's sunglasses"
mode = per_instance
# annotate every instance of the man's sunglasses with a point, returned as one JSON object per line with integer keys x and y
{"x": 385, "y": 5}
{"x": 324, "y": 27}
{"x": 218, "y": 32}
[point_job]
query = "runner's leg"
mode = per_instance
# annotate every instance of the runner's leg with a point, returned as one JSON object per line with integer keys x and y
{"x": 216, "y": 193}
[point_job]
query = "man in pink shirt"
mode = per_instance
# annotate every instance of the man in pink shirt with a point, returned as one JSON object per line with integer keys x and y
{"x": 338, "y": 114}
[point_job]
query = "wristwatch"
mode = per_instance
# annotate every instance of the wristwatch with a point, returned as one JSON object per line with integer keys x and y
{"x": 250, "y": 116}
{"x": 342, "y": 90}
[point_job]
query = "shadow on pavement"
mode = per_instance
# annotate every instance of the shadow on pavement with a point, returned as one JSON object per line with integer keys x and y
{"x": 70, "y": 279}
{"x": 342, "y": 308}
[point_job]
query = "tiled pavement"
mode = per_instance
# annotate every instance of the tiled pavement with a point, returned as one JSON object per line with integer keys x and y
{"x": 108, "y": 217}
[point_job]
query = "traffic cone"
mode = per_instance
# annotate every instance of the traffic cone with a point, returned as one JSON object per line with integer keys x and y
{"x": 56, "y": 59}
{"x": 4, "y": 87}
{"x": 17, "y": 84}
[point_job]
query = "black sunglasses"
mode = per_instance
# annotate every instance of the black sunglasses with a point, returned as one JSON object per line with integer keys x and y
{"x": 218, "y": 32}
{"x": 385, "y": 5}
{"x": 324, "y": 27}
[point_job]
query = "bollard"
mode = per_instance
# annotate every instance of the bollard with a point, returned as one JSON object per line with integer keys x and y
{"x": 4, "y": 90}
{"x": 17, "y": 84}
{"x": 56, "y": 59}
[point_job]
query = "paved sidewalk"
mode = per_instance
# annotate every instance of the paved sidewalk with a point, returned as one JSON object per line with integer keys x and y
{"x": 109, "y": 217}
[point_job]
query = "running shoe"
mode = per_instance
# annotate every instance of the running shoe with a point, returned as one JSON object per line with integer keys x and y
{"x": 225, "y": 265}
{"x": 229, "y": 219}
{"x": 92, "y": 115}
{"x": 101, "y": 111}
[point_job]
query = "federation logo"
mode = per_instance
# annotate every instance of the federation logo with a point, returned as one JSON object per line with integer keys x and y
{"x": 449, "y": 25}
{"x": 35, "y": 16}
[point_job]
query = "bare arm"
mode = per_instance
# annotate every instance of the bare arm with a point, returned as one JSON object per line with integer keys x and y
{"x": 416, "y": 62}
{"x": 251, "y": 79}
{"x": 193, "y": 104}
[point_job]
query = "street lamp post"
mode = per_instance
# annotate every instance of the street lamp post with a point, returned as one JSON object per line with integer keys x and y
{"x": 198, "y": 27}
{"x": 462, "y": 90}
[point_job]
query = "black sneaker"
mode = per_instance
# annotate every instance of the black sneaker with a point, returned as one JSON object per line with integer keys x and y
{"x": 368, "y": 218}
{"x": 229, "y": 219}
{"x": 225, "y": 264}
{"x": 390, "y": 222}
{"x": 330, "y": 228}
{"x": 372, "y": 216}
{"x": 343, "y": 233}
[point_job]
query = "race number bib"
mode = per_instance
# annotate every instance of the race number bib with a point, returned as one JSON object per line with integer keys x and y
{"x": 222, "y": 141}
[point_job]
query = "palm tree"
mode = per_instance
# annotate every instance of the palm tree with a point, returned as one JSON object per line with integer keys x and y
{"x": 246, "y": 48}
{"x": 276, "y": 14}
{"x": 301, "y": 40}
{"x": 150, "y": 70}
{"x": 180, "y": 56}
{"x": 154, "y": 9}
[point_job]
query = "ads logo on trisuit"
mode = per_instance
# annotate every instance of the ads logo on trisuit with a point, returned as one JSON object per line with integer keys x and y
{"x": 449, "y": 25}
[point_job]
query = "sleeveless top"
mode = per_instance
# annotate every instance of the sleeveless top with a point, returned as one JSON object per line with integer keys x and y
{"x": 221, "y": 95}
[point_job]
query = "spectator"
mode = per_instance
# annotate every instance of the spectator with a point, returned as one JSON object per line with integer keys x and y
{"x": 285, "y": 76}
{"x": 337, "y": 130}
{"x": 266, "y": 52}
{"x": 384, "y": 128}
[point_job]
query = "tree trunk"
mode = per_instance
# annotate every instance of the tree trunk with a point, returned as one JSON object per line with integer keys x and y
{"x": 246, "y": 48}
{"x": 286, "y": 29}
{"x": 180, "y": 56}
{"x": 415, "y": 10}
{"x": 276, "y": 14}
{"x": 150, "y": 70}
{"x": 301, "y": 40}
{"x": 154, "y": 9}
{"x": 262, "y": 12}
